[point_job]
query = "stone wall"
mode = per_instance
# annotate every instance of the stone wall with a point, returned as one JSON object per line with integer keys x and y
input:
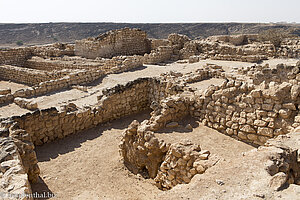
{"x": 14, "y": 180}
{"x": 49, "y": 124}
{"x": 68, "y": 79}
{"x": 27, "y": 76}
{"x": 58, "y": 63}
{"x": 168, "y": 164}
{"x": 249, "y": 58}
{"x": 53, "y": 50}
{"x": 159, "y": 55}
{"x": 281, "y": 73}
{"x": 252, "y": 114}
{"x": 71, "y": 63}
{"x": 114, "y": 43}
{"x": 235, "y": 39}
{"x": 283, "y": 163}
{"x": 121, "y": 100}
{"x": 16, "y": 56}
{"x": 155, "y": 43}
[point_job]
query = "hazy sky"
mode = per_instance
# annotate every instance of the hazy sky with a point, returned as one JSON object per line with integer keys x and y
{"x": 16, "y": 11}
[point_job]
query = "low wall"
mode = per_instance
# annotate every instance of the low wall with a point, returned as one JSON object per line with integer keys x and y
{"x": 159, "y": 55}
{"x": 18, "y": 56}
{"x": 281, "y": 73}
{"x": 167, "y": 164}
{"x": 250, "y": 58}
{"x": 49, "y": 124}
{"x": 53, "y": 50}
{"x": 50, "y": 64}
{"x": 27, "y": 76}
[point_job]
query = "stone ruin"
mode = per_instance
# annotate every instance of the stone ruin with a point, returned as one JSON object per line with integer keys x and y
{"x": 258, "y": 105}
{"x": 114, "y": 43}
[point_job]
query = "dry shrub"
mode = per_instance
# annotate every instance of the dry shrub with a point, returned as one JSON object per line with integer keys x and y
{"x": 275, "y": 36}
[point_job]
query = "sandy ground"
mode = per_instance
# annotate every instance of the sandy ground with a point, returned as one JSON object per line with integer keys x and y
{"x": 12, "y": 109}
{"x": 13, "y": 86}
{"x": 87, "y": 165}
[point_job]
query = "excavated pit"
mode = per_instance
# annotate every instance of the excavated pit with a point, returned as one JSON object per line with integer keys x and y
{"x": 67, "y": 162}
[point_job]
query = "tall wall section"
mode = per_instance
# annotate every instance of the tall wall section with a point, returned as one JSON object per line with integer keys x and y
{"x": 114, "y": 43}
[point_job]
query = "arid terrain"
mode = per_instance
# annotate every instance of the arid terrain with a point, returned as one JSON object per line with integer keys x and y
{"x": 123, "y": 116}
{"x": 47, "y": 33}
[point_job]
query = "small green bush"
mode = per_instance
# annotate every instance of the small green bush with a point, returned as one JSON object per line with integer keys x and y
{"x": 19, "y": 43}
{"x": 275, "y": 36}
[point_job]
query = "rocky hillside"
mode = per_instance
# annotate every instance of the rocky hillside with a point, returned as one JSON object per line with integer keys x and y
{"x": 28, "y": 34}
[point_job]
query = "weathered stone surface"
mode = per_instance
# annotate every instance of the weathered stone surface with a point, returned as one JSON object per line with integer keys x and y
{"x": 119, "y": 42}
{"x": 278, "y": 180}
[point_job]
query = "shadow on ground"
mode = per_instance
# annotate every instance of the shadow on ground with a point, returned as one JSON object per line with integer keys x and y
{"x": 40, "y": 190}
{"x": 70, "y": 143}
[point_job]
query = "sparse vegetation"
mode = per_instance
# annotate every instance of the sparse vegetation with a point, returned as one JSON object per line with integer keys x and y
{"x": 275, "y": 36}
{"x": 19, "y": 43}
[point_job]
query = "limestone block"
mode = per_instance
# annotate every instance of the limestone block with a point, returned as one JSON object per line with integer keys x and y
{"x": 265, "y": 131}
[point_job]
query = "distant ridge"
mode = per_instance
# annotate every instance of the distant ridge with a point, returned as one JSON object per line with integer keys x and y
{"x": 43, "y": 33}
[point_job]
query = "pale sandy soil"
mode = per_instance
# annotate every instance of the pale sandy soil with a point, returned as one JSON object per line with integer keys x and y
{"x": 13, "y": 86}
{"x": 12, "y": 109}
{"x": 87, "y": 165}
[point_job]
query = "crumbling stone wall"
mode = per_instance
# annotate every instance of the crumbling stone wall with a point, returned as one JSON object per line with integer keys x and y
{"x": 249, "y": 58}
{"x": 16, "y": 56}
{"x": 283, "y": 163}
{"x": 14, "y": 181}
{"x": 53, "y": 50}
{"x": 121, "y": 100}
{"x": 66, "y": 78}
{"x": 281, "y": 73}
{"x": 114, "y": 43}
{"x": 23, "y": 141}
{"x": 58, "y": 63}
{"x": 170, "y": 109}
{"x": 27, "y": 76}
{"x": 159, "y": 55}
{"x": 49, "y": 124}
{"x": 168, "y": 164}
{"x": 155, "y": 43}
{"x": 251, "y": 114}
{"x": 235, "y": 39}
